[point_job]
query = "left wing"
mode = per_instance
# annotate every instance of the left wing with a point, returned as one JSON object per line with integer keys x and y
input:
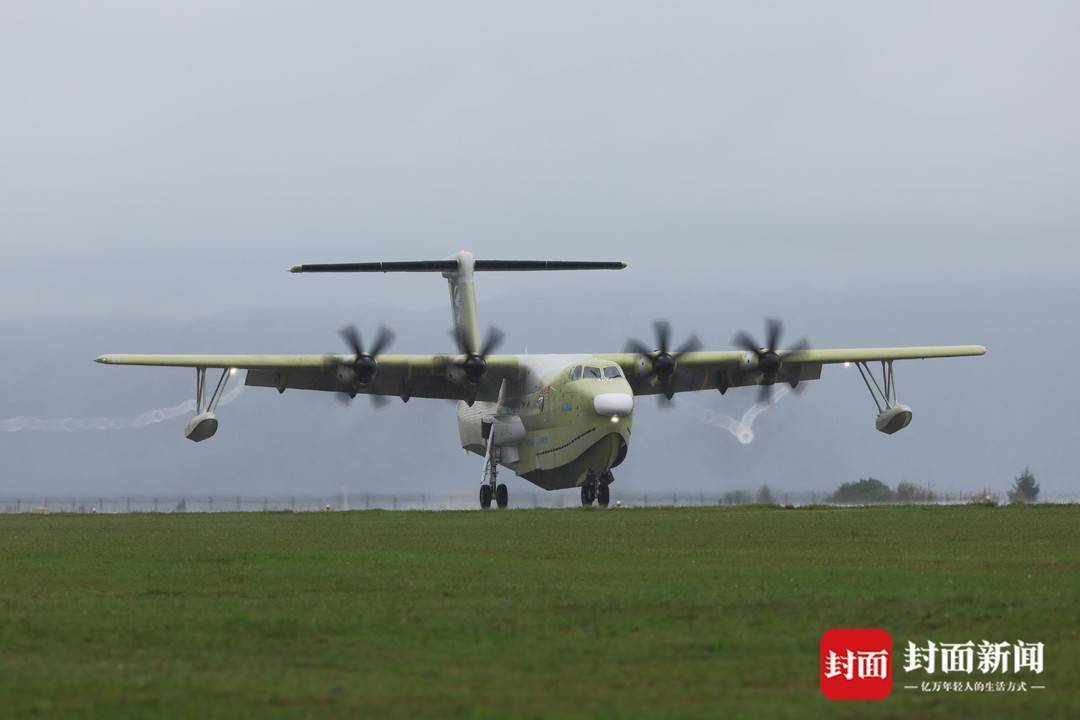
{"x": 705, "y": 370}
{"x": 404, "y": 376}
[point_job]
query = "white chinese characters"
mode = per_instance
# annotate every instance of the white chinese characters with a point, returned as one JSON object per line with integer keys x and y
{"x": 860, "y": 664}
{"x": 986, "y": 657}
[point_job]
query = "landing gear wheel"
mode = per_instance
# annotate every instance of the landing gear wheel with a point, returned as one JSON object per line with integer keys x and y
{"x": 502, "y": 496}
{"x": 485, "y": 496}
{"x": 588, "y": 493}
{"x": 603, "y": 495}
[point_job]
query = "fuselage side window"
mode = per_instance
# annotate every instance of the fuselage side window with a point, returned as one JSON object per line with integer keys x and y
{"x": 592, "y": 373}
{"x": 611, "y": 372}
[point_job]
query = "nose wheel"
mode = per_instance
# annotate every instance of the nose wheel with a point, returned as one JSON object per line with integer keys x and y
{"x": 603, "y": 495}
{"x": 588, "y": 492}
{"x": 596, "y": 489}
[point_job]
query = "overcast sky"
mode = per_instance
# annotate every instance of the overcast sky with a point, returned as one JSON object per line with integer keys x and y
{"x": 170, "y": 161}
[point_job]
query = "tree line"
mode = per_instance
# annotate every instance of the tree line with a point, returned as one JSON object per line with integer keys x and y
{"x": 1025, "y": 489}
{"x": 869, "y": 490}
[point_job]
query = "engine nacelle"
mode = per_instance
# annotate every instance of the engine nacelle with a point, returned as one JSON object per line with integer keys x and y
{"x": 477, "y": 422}
{"x": 894, "y": 419}
{"x": 201, "y": 427}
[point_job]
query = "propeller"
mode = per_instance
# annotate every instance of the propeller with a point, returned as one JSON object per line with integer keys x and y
{"x": 365, "y": 364}
{"x": 769, "y": 362}
{"x": 663, "y": 361}
{"x": 474, "y": 364}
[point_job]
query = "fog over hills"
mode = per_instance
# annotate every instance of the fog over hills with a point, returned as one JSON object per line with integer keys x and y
{"x": 978, "y": 421}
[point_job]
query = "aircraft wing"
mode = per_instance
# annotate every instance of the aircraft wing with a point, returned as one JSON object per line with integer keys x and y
{"x": 405, "y": 376}
{"x": 706, "y": 370}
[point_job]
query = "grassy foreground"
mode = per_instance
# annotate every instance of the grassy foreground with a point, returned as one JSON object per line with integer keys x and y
{"x": 695, "y": 612}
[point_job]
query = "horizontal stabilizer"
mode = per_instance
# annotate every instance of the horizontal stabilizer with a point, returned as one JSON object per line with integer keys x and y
{"x": 383, "y": 267}
{"x": 547, "y": 265}
{"x": 451, "y": 265}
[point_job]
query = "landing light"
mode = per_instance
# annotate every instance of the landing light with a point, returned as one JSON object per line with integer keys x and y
{"x": 614, "y": 418}
{"x": 232, "y": 371}
{"x": 847, "y": 364}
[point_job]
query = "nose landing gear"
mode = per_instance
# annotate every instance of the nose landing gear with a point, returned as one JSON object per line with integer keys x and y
{"x": 603, "y": 495}
{"x": 596, "y": 489}
{"x": 588, "y": 492}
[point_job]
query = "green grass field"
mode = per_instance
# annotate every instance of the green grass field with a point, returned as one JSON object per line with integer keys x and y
{"x": 691, "y": 612}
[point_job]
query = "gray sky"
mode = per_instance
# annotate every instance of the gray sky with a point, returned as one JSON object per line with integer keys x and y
{"x": 161, "y": 166}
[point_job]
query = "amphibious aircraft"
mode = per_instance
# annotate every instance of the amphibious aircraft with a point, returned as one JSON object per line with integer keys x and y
{"x": 559, "y": 421}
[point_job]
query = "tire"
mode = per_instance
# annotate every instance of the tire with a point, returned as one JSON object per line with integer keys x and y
{"x": 485, "y": 496}
{"x": 603, "y": 496}
{"x": 502, "y": 496}
{"x": 586, "y": 495}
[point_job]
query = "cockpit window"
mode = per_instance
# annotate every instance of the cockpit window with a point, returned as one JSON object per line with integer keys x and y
{"x": 592, "y": 373}
{"x": 575, "y": 374}
{"x": 611, "y": 372}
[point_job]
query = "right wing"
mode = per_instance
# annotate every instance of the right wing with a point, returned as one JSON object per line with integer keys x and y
{"x": 404, "y": 376}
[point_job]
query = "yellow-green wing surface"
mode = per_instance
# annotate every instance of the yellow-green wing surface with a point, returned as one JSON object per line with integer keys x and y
{"x": 707, "y": 370}
{"x": 405, "y": 376}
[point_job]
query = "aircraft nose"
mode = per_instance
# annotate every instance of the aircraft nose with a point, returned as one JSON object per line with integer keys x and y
{"x": 612, "y": 404}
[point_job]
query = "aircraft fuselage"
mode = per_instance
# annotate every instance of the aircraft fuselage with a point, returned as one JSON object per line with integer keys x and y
{"x": 569, "y": 420}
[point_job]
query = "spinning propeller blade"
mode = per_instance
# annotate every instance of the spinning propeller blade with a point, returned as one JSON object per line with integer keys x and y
{"x": 769, "y": 361}
{"x": 365, "y": 363}
{"x": 663, "y": 362}
{"x": 474, "y": 364}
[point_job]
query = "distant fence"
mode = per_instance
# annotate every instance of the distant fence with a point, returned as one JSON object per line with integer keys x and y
{"x": 411, "y": 501}
{"x": 338, "y": 502}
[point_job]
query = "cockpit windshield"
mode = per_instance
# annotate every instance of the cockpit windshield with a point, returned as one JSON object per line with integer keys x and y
{"x": 591, "y": 372}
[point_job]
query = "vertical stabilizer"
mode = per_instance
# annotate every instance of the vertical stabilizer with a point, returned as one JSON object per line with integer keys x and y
{"x": 463, "y": 314}
{"x": 458, "y": 271}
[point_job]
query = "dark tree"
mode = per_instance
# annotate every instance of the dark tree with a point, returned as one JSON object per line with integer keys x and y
{"x": 1025, "y": 488}
{"x": 867, "y": 490}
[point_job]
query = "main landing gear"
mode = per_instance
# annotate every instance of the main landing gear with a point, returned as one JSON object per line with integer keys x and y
{"x": 597, "y": 490}
{"x": 489, "y": 482}
{"x": 501, "y": 494}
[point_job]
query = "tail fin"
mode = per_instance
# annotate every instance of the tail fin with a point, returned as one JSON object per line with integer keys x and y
{"x": 458, "y": 271}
